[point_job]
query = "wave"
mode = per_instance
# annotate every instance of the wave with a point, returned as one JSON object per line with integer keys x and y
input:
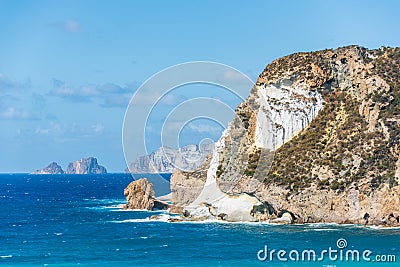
{"x": 105, "y": 200}
{"x": 318, "y": 227}
{"x": 321, "y": 229}
{"x": 6, "y": 256}
{"x": 378, "y": 227}
{"x": 133, "y": 220}
{"x": 104, "y": 204}
{"x": 163, "y": 217}
{"x": 110, "y": 207}
{"x": 321, "y": 224}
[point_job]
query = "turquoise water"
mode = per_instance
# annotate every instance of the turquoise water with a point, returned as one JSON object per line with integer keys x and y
{"x": 75, "y": 220}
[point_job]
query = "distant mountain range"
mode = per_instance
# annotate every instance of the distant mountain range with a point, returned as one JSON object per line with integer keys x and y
{"x": 167, "y": 160}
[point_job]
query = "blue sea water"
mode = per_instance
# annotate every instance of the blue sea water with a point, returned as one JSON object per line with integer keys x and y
{"x": 75, "y": 220}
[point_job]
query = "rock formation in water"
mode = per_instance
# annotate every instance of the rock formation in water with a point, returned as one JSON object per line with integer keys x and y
{"x": 52, "y": 168}
{"x": 317, "y": 139}
{"x": 166, "y": 159}
{"x": 140, "y": 195}
{"x": 85, "y": 166}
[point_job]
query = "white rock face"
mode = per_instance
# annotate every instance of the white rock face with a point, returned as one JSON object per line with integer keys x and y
{"x": 85, "y": 166}
{"x": 283, "y": 112}
{"x": 212, "y": 202}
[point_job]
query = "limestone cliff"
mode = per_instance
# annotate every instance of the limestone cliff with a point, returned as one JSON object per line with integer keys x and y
{"x": 85, "y": 166}
{"x": 166, "y": 159}
{"x": 318, "y": 138}
{"x": 187, "y": 185}
{"x": 52, "y": 168}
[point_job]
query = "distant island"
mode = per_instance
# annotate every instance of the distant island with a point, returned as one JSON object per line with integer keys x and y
{"x": 52, "y": 168}
{"x": 83, "y": 166}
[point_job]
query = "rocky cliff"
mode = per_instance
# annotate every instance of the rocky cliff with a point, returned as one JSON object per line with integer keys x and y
{"x": 85, "y": 166}
{"x": 318, "y": 138}
{"x": 166, "y": 159}
{"x": 140, "y": 195}
{"x": 52, "y": 168}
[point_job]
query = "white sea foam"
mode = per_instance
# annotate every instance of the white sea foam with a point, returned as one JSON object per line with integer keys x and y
{"x": 321, "y": 229}
{"x": 143, "y": 210}
{"x": 133, "y": 221}
{"x": 6, "y": 256}
{"x": 163, "y": 217}
{"x": 106, "y": 200}
{"x": 109, "y": 207}
{"x": 377, "y": 227}
{"x": 320, "y": 224}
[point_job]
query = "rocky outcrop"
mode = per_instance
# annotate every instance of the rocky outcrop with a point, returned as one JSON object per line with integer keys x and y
{"x": 85, "y": 166}
{"x": 316, "y": 141}
{"x": 356, "y": 205}
{"x": 166, "y": 159}
{"x": 186, "y": 186}
{"x": 52, "y": 168}
{"x": 140, "y": 195}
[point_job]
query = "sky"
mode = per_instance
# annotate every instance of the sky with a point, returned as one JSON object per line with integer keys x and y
{"x": 69, "y": 68}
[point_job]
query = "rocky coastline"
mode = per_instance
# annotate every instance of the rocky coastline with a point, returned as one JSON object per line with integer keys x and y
{"x": 317, "y": 141}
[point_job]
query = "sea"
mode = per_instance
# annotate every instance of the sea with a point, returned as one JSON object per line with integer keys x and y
{"x": 77, "y": 220}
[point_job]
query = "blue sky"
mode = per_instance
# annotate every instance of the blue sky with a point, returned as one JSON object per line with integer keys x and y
{"x": 69, "y": 68}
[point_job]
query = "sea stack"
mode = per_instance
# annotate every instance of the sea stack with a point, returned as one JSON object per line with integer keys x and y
{"x": 52, "y": 168}
{"x": 140, "y": 195}
{"x": 85, "y": 166}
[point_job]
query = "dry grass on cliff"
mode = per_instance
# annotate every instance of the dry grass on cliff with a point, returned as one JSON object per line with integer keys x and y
{"x": 340, "y": 132}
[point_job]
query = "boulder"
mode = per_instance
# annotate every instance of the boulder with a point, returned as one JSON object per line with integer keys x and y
{"x": 285, "y": 218}
{"x": 140, "y": 195}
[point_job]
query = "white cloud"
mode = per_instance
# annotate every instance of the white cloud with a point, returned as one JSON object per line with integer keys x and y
{"x": 151, "y": 97}
{"x": 54, "y": 128}
{"x": 109, "y": 94}
{"x": 231, "y": 76}
{"x": 98, "y": 127}
{"x": 89, "y": 91}
{"x": 10, "y": 85}
{"x": 65, "y": 91}
{"x": 204, "y": 128}
{"x": 70, "y": 26}
{"x": 69, "y": 131}
{"x": 11, "y": 113}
